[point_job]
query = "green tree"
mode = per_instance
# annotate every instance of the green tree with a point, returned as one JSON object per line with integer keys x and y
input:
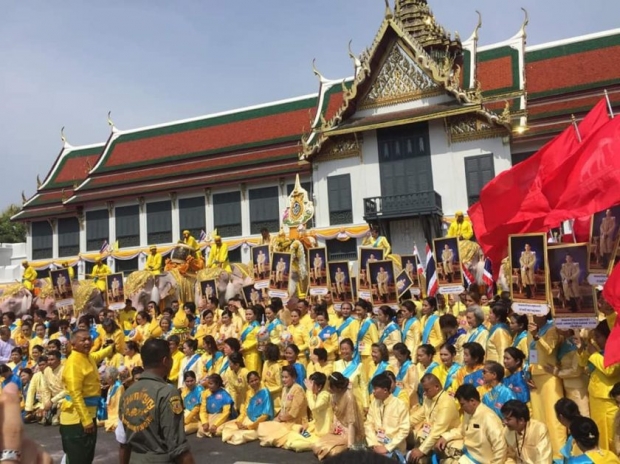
{"x": 11, "y": 232}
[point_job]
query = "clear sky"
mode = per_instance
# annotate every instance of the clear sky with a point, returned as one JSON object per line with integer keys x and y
{"x": 67, "y": 63}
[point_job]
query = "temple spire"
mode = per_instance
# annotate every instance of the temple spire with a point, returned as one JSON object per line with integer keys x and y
{"x": 418, "y": 20}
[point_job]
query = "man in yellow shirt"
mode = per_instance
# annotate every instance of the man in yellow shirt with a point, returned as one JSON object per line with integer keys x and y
{"x": 99, "y": 273}
{"x": 527, "y": 440}
{"x": 377, "y": 241}
{"x": 218, "y": 256}
{"x": 65, "y": 265}
{"x": 481, "y": 432}
{"x": 153, "y": 261}
{"x": 190, "y": 241}
{"x": 460, "y": 228}
{"x": 78, "y": 412}
{"x": 127, "y": 317}
{"x": 387, "y": 422}
{"x": 29, "y": 276}
{"x": 437, "y": 415}
{"x": 177, "y": 356}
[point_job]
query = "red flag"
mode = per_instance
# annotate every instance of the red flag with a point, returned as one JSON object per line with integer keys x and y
{"x": 611, "y": 293}
{"x": 582, "y": 228}
{"x": 589, "y": 182}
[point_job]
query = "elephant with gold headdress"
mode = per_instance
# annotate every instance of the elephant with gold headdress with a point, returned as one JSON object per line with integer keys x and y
{"x": 229, "y": 284}
{"x": 15, "y": 298}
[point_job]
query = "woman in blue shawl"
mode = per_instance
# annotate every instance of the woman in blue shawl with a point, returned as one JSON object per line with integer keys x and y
{"x": 515, "y": 378}
{"x": 216, "y": 408}
{"x": 191, "y": 395}
{"x": 257, "y": 408}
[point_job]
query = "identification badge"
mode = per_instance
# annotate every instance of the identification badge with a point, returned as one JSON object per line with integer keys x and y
{"x": 533, "y": 356}
{"x": 426, "y": 431}
{"x": 381, "y": 435}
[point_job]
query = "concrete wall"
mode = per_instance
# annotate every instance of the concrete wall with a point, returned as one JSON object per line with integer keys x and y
{"x": 11, "y": 257}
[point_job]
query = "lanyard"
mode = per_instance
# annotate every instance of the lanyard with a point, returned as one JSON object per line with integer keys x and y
{"x": 520, "y": 448}
{"x": 435, "y": 405}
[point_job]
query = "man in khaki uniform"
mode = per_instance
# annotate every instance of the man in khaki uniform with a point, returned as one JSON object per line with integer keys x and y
{"x": 528, "y": 264}
{"x": 570, "y": 282}
{"x": 447, "y": 258}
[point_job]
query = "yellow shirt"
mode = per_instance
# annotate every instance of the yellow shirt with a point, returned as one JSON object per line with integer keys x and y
{"x": 38, "y": 392}
{"x": 463, "y": 229}
{"x": 127, "y": 319}
{"x": 602, "y": 378}
{"x": 379, "y": 242}
{"x": 218, "y": 257}
{"x": 441, "y": 414}
{"x": 271, "y": 378}
{"x": 350, "y": 331}
{"x": 154, "y": 263}
{"x": 497, "y": 344}
{"x": 483, "y": 435}
{"x": 390, "y": 419}
{"x": 54, "y": 384}
{"x": 28, "y": 277}
{"x": 435, "y": 338}
{"x": 413, "y": 336}
{"x": 81, "y": 379}
{"x": 533, "y": 448}
{"x": 322, "y": 413}
{"x": 546, "y": 347}
{"x": 177, "y": 356}
{"x": 301, "y": 338}
{"x": 357, "y": 382}
{"x": 371, "y": 336}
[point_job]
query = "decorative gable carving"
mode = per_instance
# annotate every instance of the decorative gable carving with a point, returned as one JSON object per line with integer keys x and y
{"x": 399, "y": 80}
{"x": 467, "y": 128}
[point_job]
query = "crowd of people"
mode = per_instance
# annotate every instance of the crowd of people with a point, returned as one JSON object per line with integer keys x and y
{"x": 455, "y": 380}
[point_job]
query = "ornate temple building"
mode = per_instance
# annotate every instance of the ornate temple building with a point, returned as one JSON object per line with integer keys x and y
{"x": 424, "y": 123}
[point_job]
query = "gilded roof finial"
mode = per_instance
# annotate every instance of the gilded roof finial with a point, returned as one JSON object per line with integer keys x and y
{"x": 24, "y": 199}
{"x": 388, "y": 10}
{"x": 357, "y": 64}
{"x": 38, "y": 181}
{"x": 526, "y": 21}
{"x": 62, "y": 136}
{"x": 110, "y": 122}
{"x": 478, "y": 26}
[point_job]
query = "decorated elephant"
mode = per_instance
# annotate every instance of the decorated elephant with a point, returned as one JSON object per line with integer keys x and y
{"x": 15, "y": 298}
{"x": 142, "y": 287}
{"x": 229, "y": 284}
{"x": 88, "y": 298}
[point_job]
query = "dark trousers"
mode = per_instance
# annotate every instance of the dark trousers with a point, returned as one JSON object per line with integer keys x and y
{"x": 77, "y": 445}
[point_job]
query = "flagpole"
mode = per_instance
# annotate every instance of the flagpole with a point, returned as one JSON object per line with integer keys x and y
{"x": 611, "y": 111}
{"x": 574, "y": 121}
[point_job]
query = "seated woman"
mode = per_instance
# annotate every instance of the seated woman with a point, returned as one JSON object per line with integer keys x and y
{"x": 353, "y": 370}
{"x": 448, "y": 367}
{"x": 293, "y": 412}
{"x": 17, "y": 361}
{"x": 347, "y": 427}
{"x": 566, "y": 411}
{"x": 115, "y": 391}
{"x": 515, "y": 378}
{"x": 407, "y": 376}
{"x": 319, "y": 362}
{"x": 302, "y": 437}
{"x": 586, "y": 435}
{"x": 212, "y": 358}
{"x": 216, "y": 408}
{"x": 191, "y": 394}
{"x": 272, "y": 373}
{"x": 381, "y": 360}
{"x": 291, "y": 354}
{"x": 190, "y": 362}
{"x": 473, "y": 364}
{"x": 257, "y": 408}
{"x": 235, "y": 379}
{"x": 132, "y": 355}
{"x": 426, "y": 365}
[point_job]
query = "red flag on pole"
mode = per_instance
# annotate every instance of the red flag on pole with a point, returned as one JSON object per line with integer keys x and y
{"x": 611, "y": 293}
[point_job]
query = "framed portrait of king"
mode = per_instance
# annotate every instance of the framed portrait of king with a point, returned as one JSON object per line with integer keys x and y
{"x": 528, "y": 267}
{"x": 382, "y": 282}
{"x": 448, "y": 261}
{"x": 604, "y": 234}
{"x": 366, "y": 255}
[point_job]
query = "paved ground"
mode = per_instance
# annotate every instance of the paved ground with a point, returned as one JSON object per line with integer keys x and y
{"x": 204, "y": 449}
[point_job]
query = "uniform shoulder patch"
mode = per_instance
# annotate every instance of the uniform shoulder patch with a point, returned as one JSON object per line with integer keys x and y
{"x": 176, "y": 404}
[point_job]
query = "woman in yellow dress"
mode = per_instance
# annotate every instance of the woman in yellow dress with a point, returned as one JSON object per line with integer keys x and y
{"x": 226, "y": 327}
{"x": 499, "y": 334}
{"x": 216, "y": 408}
{"x": 142, "y": 332}
{"x": 113, "y": 332}
{"x": 191, "y": 394}
{"x": 212, "y": 358}
{"x": 426, "y": 365}
{"x": 154, "y": 317}
{"x": 406, "y": 376}
{"x": 208, "y": 326}
{"x": 352, "y": 370}
{"x": 603, "y": 409}
{"x": 324, "y": 336}
{"x": 367, "y": 335}
{"x": 411, "y": 330}
{"x": 235, "y": 379}
{"x": 299, "y": 336}
{"x": 347, "y": 428}
{"x": 319, "y": 363}
{"x": 390, "y": 333}
{"x": 274, "y": 325}
{"x": 431, "y": 330}
{"x": 518, "y": 327}
{"x": 191, "y": 361}
{"x": 256, "y": 409}
{"x": 249, "y": 338}
{"x": 302, "y": 437}
{"x": 294, "y": 412}
{"x": 132, "y": 355}
{"x": 272, "y": 373}
{"x": 165, "y": 326}
{"x": 381, "y": 360}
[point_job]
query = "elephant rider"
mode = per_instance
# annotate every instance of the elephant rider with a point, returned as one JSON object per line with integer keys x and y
{"x": 191, "y": 242}
{"x": 65, "y": 265}
{"x": 218, "y": 256}
{"x": 377, "y": 241}
{"x": 100, "y": 270}
{"x": 153, "y": 261}
{"x": 29, "y": 275}
{"x": 460, "y": 228}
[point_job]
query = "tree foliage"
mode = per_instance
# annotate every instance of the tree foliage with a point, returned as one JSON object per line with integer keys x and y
{"x": 11, "y": 232}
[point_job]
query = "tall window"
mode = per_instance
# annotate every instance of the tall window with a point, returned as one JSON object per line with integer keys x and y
{"x": 234, "y": 256}
{"x": 97, "y": 229}
{"x": 264, "y": 210}
{"x": 227, "y": 213}
{"x": 42, "y": 240}
{"x": 339, "y": 194}
{"x": 68, "y": 237}
{"x": 341, "y": 251}
{"x": 479, "y": 171}
{"x": 126, "y": 265}
{"x": 128, "y": 226}
{"x": 192, "y": 215}
{"x": 159, "y": 222}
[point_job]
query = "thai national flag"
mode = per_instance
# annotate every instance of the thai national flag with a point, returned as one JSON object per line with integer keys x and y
{"x": 487, "y": 277}
{"x": 469, "y": 278}
{"x": 416, "y": 253}
{"x": 203, "y": 236}
{"x": 432, "y": 286}
{"x": 104, "y": 247}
